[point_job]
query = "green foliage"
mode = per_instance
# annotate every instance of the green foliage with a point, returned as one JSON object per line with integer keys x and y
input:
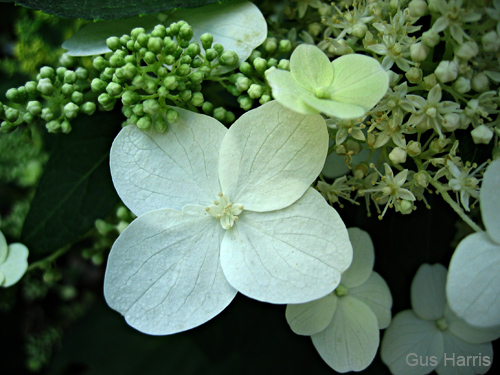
{"x": 76, "y": 187}
{"x": 107, "y": 9}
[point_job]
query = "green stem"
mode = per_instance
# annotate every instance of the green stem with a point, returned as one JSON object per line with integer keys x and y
{"x": 43, "y": 263}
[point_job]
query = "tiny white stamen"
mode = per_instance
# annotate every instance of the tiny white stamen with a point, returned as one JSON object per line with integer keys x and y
{"x": 225, "y": 211}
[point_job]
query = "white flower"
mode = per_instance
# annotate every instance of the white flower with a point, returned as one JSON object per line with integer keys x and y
{"x": 346, "y": 88}
{"x": 464, "y": 182}
{"x": 221, "y": 211}
{"x": 13, "y": 262}
{"x": 482, "y": 134}
{"x": 430, "y": 337}
{"x": 453, "y": 16}
{"x": 473, "y": 286}
{"x": 344, "y": 325}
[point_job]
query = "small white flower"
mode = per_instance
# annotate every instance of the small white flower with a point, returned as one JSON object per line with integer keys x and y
{"x": 425, "y": 338}
{"x": 482, "y": 134}
{"x": 473, "y": 287}
{"x": 344, "y": 325}
{"x": 464, "y": 182}
{"x": 221, "y": 211}
{"x": 13, "y": 262}
{"x": 447, "y": 71}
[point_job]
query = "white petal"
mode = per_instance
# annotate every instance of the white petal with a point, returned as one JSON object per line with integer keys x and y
{"x": 311, "y": 317}
{"x": 270, "y": 156}
{"x": 363, "y": 258}
{"x": 473, "y": 285}
{"x": 489, "y": 199}
{"x": 359, "y": 80}
{"x": 164, "y": 272}
{"x": 310, "y": 67}
{"x": 4, "y": 249}
{"x": 288, "y": 92}
{"x": 154, "y": 170}
{"x": 465, "y": 331}
{"x": 351, "y": 340}
{"x": 293, "y": 255}
{"x": 376, "y": 294}
{"x": 428, "y": 296}
{"x": 463, "y": 358}
{"x": 334, "y": 108}
{"x": 411, "y": 346}
{"x": 15, "y": 265}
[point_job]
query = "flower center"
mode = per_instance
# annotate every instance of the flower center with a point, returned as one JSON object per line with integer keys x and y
{"x": 322, "y": 93}
{"x": 225, "y": 211}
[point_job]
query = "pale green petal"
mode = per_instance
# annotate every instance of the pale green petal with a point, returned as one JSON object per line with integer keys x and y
{"x": 363, "y": 258}
{"x": 408, "y": 340}
{"x": 358, "y": 80}
{"x": 164, "y": 274}
{"x": 473, "y": 285}
{"x": 4, "y": 249}
{"x": 489, "y": 200}
{"x": 152, "y": 170}
{"x": 465, "y": 331}
{"x": 334, "y": 108}
{"x": 293, "y": 255}
{"x": 287, "y": 91}
{"x": 270, "y": 156}
{"x": 428, "y": 296}
{"x": 351, "y": 340}
{"x": 310, "y": 67}
{"x": 311, "y": 317}
{"x": 376, "y": 294}
{"x": 15, "y": 265}
{"x": 463, "y": 358}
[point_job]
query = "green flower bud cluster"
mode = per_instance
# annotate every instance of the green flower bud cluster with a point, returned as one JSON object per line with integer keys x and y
{"x": 149, "y": 72}
{"x": 55, "y": 97}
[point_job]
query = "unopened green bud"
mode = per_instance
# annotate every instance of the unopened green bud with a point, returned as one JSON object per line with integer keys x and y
{"x": 260, "y": 64}
{"x": 130, "y": 98}
{"x": 285, "y": 46}
{"x": 97, "y": 85}
{"x": 183, "y": 70}
{"x": 53, "y": 126}
{"x": 65, "y": 127}
{"x": 284, "y": 64}
{"x": 255, "y": 91}
{"x": 211, "y": 54}
{"x": 77, "y": 97}
{"x": 28, "y": 118}
{"x": 88, "y": 108}
{"x": 229, "y": 117}
{"x": 7, "y": 127}
{"x": 197, "y": 99}
{"x": 272, "y": 62}
{"x": 254, "y": 55}
{"x": 219, "y": 48}
{"x": 155, "y": 44}
{"x": 159, "y": 31}
{"x": 186, "y": 59}
{"x": 71, "y": 110}
{"x": 104, "y": 99}
{"x": 219, "y": 113}
{"x": 113, "y": 43}
{"x": 233, "y": 90}
{"x": 13, "y": 95}
{"x": 414, "y": 148}
{"x": 404, "y": 206}
{"x": 264, "y": 99}
{"x": 161, "y": 125}
{"x": 149, "y": 58}
{"x": 34, "y": 107}
{"x": 246, "y": 68}
{"x": 145, "y": 123}
{"x": 245, "y": 102}
{"x": 206, "y": 41}
{"x": 31, "y": 87}
{"x": 45, "y": 87}
{"x": 114, "y": 89}
{"x": 207, "y": 108}
{"x": 186, "y": 32}
{"x": 170, "y": 82}
{"x": 170, "y": 45}
{"x": 228, "y": 58}
{"x": 421, "y": 179}
{"x": 11, "y": 114}
{"x": 270, "y": 45}
{"x": 151, "y": 106}
{"x": 172, "y": 116}
{"x": 185, "y": 95}
{"x": 243, "y": 83}
{"x": 67, "y": 89}
{"x": 67, "y": 60}
{"x": 107, "y": 74}
{"x": 150, "y": 87}
{"x": 193, "y": 50}
{"x": 116, "y": 61}
{"x": 414, "y": 75}
{"x": 138, "y": 110}
{"x": 135, "y": 32}
{"x": 100, "y": 63}
{"x": 47, "y": 72}
{"x": 47, "y": 114}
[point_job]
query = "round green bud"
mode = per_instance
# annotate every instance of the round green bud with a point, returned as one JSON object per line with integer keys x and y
{"x": 65, "y": 127}
{"x": 196, "y": 78}
{"x": 23, "y": 94}
{"x": 284, "y": 64}
{"x": 197, "y": 62}
{"x": 260, "y": 64}
{"x": 129, "y": 71}
{"x": 107, "y": 75}
{"x": 88, "y": 108}
{"x": 113, "y": 43}
{"x": 186, "y": 32}
{"x": 163, "y": 92}
{"x": 34, "y": 107}
{"x": 60, "y": 72}
{"x": 135, "y": 32}
{"x": 207, "y": 108}
{"x": 47, "y": 72}
{"x": 185, "y": 95}
{"x": 130, "y": 45}
{"x": 178, "y": 53}
{"x": 7, "y": 127}
{"x": 116, "y": 61}
{"x": 81, "y": 73}
{"x": 264, "y": 99}
{"x": 254, "y": 55}
{"x": 145, "y": 123}
{"x": 31, "y": 88}
{"x": 211, "y": 54}
{"x": 150, "y": 87}
{"x": 197, "y": 99}
{"x": 53, "y": 126}
{"x": 97, "y": 85}
{"x": 272, "y": 62}
{"x": 11, "y": 114}
{"x": 124, "y": 39}
{"x": 77, "y": 97}
{"x": 245, "y": 102}
{"x": 170, "y": 82}
{"x": 181, "y": 86}
{"x": 130, "y": 98}
{"x": 219, "y": 113}
{"x": 47, "y": 114}
{"x": 129, "y": 59}
{"x": 161, "y": 125}
{"x": 206, "y": 41}
{"x": 127, "y": 111}
{"x": 70, "y": 110}
{"x": 100, "y": 63}
{"x": 183, "y": 70}
{"x": 155, "y": 44}
{"x": 174, "y": 28}
{"x": 13, "y": 95}
{"x": 104, "y": 99}
{"x": 270, "y": 45}
{"x": 243, "y": 83}
{"x": 285, "y": 46}
{"x": 28, "y": 118}
{"x": 172, "y": 116}
{"x": 228, "y": 58}
{"x": 193, "y": 49}
{"x": 138, "y": 110}
{"x": 170, "y": 45}
{"x": 205, "y": 70}
{"x": 149, "y": 57}
{"x": 229, "y": 117}
{"x": 45, "y": 87}
{"x": 255, "y": 91}
{"x": 67, "y": 60}
{"x": 233, "y": 90}
{"x": 219, "y": 48}
{"x": 67, "y": 89}
{"x": 151, "y": 106}
{"x": 114, "y": 89}
{"x": 246, "y": 68}
{"x": 162, "y": 72}
{"x": 169, "y": 60}
{"x": 159, "y": 31}
{"x": 139, "y": 81}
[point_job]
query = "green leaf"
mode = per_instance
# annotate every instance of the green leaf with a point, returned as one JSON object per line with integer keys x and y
{"x": 76, "y": 188}
{"x": 108, "y": 9}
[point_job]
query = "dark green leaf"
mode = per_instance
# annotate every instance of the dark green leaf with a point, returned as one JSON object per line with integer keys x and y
{"x": 76, "y": 188}
{"x": 108, "y": 9}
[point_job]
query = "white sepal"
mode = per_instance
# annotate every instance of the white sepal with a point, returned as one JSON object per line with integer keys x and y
{"x": 489, "y": 200}
{"x": 428, "y": 296}
{"x": 15, "y": 264}
{"x": 363, "y": 258}
{"x": 311, "y": 317}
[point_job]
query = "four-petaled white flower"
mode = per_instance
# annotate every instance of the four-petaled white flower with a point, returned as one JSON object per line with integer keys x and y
{"x": 473, "y": 286}
{"x": 346, "y": 88}
{"x": 13, "y": 262}
{"x": 221, "y": 211}
{"x": 431, "y": 337}
{"x": 344, "y": 325}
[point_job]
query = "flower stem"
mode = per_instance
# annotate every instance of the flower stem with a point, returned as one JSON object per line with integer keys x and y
{"x": 42, "y": 263}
